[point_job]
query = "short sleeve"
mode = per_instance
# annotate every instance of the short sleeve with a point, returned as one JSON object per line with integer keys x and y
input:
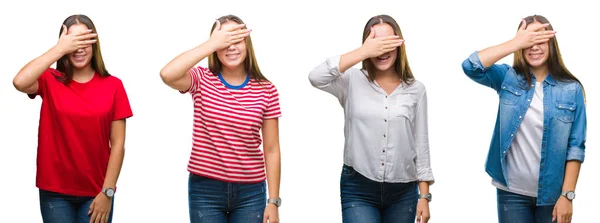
{"x": 272, "y": 111}
{"x": 121, "y": 109}
{"x": 196, "y": 75}
{"x": 43, "y": 83}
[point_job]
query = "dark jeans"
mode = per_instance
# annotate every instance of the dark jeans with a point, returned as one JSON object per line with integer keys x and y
{"x": 367, "y": 201}
{"x": 214, "y": 201}
{"x": 62, "y": 208}
{"x": 515, "y": 208}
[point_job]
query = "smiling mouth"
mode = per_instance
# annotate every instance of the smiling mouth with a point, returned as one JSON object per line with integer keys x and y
{"x": 536, "y": 55}
{"x": 79, "y": 57}
{"x": 383, "y": 58}
{"x": 232, "y": 55}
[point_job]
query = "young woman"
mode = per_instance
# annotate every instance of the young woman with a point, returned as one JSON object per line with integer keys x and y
{"x": 81, "y": 135}
{"x": 233, "y": 101}
{"x": 386, "y": 153}
{"x": 539, "y": 139}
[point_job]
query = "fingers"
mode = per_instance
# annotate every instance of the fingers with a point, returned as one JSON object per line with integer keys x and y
{"x": 372, "y": 34}
{"x": 64, "y": 31}
{"x": 523, "y": 24}
{"x": 554, "y": 214}
{"x": 419, "y": 217}
{"x": 88, "y": 42}
{"x": 218, "y": 25}
{"x": 265, "y": 218}
{"x": 235, "y": 27}
{"x": 95, "y": 217}
{"x": 86, "y": 36}
{"x": 537, "y": 26}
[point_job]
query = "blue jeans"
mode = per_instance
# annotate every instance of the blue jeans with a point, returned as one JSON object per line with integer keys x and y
{"x": 216, "y": 201}
{"x": 367, "y": 201}
{"x": 62, "y": 208}
{"x": 515, "y": 208}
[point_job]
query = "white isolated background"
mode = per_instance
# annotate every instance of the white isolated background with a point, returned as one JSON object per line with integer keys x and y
{"x": 290, "y": 37}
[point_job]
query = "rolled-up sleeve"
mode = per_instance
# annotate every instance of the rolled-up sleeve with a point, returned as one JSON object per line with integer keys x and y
{"x": 577, "y": 137}
{"x": 492, "y": 76}
{"x": 421, "y": 134}
{"x": 327, "y": 77}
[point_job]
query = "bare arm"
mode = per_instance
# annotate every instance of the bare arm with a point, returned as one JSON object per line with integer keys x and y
{"x": 117, "y": 153}
{"x": 26, "y": 80}
{"x": 571, "y": 175}
{"x": 526, "y": 37}
{"x": 175, "y": 73}
{"x": 270, "y": 132}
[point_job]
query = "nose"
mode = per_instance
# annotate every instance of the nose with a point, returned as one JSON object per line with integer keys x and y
{"x": 231, "y": 47}
{"x": 535, "y": 47}
{"x": 80, "y": 50}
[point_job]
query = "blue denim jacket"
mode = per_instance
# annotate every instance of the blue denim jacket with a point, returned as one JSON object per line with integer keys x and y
{"x": 564, "y": 123}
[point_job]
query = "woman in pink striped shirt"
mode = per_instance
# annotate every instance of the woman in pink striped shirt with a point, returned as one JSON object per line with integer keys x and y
{"x": 233, "y": 101}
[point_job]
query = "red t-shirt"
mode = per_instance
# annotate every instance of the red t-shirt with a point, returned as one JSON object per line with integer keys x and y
{"x": 74, "y": 132}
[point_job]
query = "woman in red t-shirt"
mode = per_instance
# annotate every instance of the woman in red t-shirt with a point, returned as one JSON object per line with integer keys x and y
{"x": 81, "y": 134}
{"x": 233, "y": 101}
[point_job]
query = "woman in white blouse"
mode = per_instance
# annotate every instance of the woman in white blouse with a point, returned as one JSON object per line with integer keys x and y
{"x": 386, "y": 173}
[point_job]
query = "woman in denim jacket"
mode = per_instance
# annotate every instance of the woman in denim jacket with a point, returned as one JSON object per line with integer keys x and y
{"x": 539, "y": 139}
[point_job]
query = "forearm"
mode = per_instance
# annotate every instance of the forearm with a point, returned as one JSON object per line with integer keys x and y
{"x": 115, "y": 162}
{"x": 571, "y": 175}
{"x": 178, "y": 67}
{"x": 423, "y": 187}
{"x": 491, "y": 55}
{"x": 29, "y": 74}
{"x": 273, "y": 166}
{"x": 351, "y": 58}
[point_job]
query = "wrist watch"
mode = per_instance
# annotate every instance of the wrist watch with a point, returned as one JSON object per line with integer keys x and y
{"x": 570, "y": 195}
{"x": 276, "y": 201}
{"x": 109, "y": 192}
{"x": 425, "y": 196}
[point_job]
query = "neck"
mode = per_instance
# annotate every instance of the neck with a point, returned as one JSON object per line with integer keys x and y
{"x": 83, "y": 73}
{"x": 540, "y": 73}
{"x": 237, "y": 72}
{"x": 386, "y": 75}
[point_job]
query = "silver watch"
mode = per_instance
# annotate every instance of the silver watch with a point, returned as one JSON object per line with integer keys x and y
{"x": 276, "y": 201}
{"x": 109, "y": 192}
{"x": 570, "y": 195}
{"x": 425, "y": 196}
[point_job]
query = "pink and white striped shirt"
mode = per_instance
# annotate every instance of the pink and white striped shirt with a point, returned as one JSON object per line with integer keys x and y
{"x": 227, "y": 123}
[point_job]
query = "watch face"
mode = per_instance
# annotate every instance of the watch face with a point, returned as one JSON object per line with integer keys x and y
{"x": 570, "y": 195}
{"x": 110, "y": 192}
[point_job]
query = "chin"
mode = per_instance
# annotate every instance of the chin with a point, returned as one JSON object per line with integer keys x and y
{"x": 383, "y": 67}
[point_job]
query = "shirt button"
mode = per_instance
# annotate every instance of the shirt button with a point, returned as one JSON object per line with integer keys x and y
{"x": 382, "y": 164}
{"x": 384, "y": 135}
{"x": 386, "y": 96}
{"x": 528, "y": 99}
{"x": 385, "y": 107}
{"x": 385, "y": 120}
{"x": 384, "y": 151}
{"x": 511, "y": 135}
{"x": 520, "y": 116}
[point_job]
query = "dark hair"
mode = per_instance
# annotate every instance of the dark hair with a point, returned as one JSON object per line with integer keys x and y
{"x": 64, "y": 66}
{"x": 250, "y": 64}
{"x": 555, "y": 64}
{"x": 401, "y": 64}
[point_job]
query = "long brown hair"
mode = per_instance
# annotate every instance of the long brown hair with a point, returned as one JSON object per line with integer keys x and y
{"x": 64, "y": 66}
{"x": 555, "y": 64}
{"x": 401, "y": 64}
{"x": 250, "y": 64}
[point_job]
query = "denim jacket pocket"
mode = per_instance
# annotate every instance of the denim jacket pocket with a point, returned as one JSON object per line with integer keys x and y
{"x": 510, "y": 95}
{"x": 565, "y": 111}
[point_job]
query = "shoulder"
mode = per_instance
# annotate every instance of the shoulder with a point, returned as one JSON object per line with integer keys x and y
{"x": 415, "y": 87}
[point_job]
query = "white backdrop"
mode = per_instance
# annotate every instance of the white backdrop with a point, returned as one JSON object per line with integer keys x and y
{"x": 290, "y": 39}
